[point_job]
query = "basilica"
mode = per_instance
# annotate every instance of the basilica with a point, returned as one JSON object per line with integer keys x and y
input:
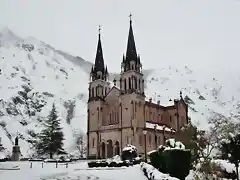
{"x": 120, "y": 115}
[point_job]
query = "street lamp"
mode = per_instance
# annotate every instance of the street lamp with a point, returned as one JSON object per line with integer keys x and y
{"x": 155, "y": 136}
{"x": 164, "y": 138}
{"x": 145, "y": 143}
{"x": 172, "y": 131}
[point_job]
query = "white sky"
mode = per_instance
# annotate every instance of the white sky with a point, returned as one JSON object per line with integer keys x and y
{"x": 189, "y": 32}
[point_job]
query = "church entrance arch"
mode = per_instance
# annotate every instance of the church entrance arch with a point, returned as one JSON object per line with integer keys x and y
{"x": 109, "y": 148}
{"x": 103, "y": 147}
{"x": 117, "y": 148}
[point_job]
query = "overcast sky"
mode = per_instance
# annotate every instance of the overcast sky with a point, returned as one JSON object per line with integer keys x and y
{"x": 188, "y": 32}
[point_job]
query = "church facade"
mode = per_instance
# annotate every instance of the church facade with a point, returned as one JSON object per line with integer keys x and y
{"x": 118, "y": 116}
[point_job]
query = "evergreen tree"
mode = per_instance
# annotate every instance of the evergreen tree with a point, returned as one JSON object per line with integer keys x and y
{"x": 50, "y": 140}
{"x": 194, "y": 140}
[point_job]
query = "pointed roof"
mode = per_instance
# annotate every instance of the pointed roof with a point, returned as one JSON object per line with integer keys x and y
{"x": 131, "y": 47}
{"x": 99, "y": 61}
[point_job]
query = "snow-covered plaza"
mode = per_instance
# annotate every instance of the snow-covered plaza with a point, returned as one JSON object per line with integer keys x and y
{"x": 74, "y": 171}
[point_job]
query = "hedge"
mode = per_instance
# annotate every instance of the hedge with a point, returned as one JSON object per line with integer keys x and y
{"x": 158, "y": 161}
{"x": 172, "y": 160}
{"x": 178, "y": 162}
{"x": 103, "y": 163}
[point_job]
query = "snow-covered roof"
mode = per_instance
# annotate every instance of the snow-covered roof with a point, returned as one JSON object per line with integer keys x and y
{"x": 159, "y": 126}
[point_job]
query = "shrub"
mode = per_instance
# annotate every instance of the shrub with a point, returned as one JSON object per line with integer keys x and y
{"x": 137, "y": 160}
{"x": 172, "y": 159}
{"x": 178, "y": 162}
{"x": 158, "y": 160}
{"x": 154, "y": 159}
{"x": 113, "y": 164}
{"x": 129, "y": 152}
{"x": 92, "y": 164}
{"x": 124, "y": 163}
{"x": 103, "y": 164}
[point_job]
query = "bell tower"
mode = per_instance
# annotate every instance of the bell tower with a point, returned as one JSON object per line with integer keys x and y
{"x": 131, "y": 77}
{"x": 98, "y": 89}
{"x": 99, "y": 85}
{"x": 132, "y": 91}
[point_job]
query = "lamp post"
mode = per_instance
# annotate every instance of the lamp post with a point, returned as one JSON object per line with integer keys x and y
{"x": 145, "y": 143}
{"x": 164, "y": 138}
{"x": 172, "y": 132}
{"x": 155, "y": 136}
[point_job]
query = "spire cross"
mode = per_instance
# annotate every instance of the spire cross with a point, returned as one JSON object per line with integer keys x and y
{"x": 99, "y": 29}
{"x": 130, "y": 16}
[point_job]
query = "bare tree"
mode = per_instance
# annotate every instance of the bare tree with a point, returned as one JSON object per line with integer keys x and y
{"x": 80, "y": 139}
{"x": 220, "y": 127}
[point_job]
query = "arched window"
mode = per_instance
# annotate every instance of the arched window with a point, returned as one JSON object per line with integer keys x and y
{"x": 135, "y": 79}
{"x": 135, "y": 106}
{"x": 113, "y": 117}
{"x": 93, "y": 142}
{"x": 125, "y": 84}
{"x": 118, "y": 116}
{"x": 139, "y": 84}
{"x": 110, "y": 119}
{"x": 129, "y": 83}
{"x": 120, "y": 83}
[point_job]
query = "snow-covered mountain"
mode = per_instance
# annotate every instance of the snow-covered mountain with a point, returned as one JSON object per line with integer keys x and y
{"x": 33, "y": 75}
{"x": 206, "y": 92}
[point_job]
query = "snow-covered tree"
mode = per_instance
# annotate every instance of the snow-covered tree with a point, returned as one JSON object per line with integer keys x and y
{"x": 231, "y": 150}
{"x": 220, "y": 127}
{"x": 50, "y": 140}
{"x": 195, "y": 140}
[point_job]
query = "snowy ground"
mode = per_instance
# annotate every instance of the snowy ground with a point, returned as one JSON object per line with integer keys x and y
{"x": 80, "y": 171}
{"x": 75, "y": 171}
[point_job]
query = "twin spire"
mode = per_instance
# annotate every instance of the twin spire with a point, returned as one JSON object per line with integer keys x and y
{"x": 131, "y": 61}
{"x": 131, "y": 53}
{"x": 99, "y": 71}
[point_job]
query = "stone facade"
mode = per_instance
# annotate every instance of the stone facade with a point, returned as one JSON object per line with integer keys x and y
{"x": 117, "y": 116}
